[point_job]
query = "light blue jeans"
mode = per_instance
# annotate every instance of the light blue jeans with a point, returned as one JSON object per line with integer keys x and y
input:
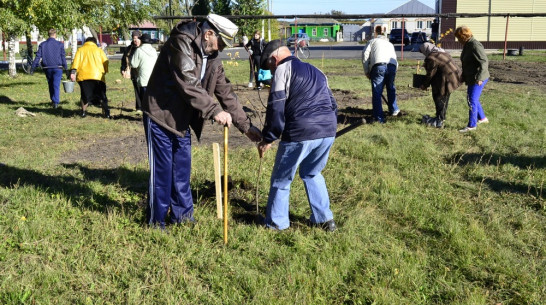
{"x": 311, "y": 157}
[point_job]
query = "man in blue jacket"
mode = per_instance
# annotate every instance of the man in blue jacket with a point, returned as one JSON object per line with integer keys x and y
{"x": 302, "y": 112}
{"x": 53, "y": 61}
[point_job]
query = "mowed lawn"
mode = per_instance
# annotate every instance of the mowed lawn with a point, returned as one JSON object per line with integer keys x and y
{"x": 425, "y": 216}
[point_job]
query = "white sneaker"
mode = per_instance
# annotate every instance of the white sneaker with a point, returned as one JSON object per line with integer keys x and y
{"x": 483, "y": 121}
{"x": 250, "y": 85}
{"x": 467, "y": 129}
{"x": 396, "y": 112}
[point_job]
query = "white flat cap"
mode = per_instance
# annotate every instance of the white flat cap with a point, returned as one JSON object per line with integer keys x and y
{"x": 225, "y": 28}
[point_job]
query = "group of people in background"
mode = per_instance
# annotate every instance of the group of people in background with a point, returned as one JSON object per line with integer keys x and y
{"x": 443, "y": 75}
{"x": 175, "y": 91}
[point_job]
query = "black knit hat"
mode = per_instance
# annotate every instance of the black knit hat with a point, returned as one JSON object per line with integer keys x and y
{"x": 268, "y": 49}
{"x": 145, "y": 38}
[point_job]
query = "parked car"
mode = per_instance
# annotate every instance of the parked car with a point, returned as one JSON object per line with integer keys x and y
{"x": 396, "y": 36}
{"x": 418, "y": 37}
{"x": 298, "y": 36}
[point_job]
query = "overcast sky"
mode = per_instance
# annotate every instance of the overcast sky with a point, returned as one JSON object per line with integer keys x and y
{"x": 300, "y": 7}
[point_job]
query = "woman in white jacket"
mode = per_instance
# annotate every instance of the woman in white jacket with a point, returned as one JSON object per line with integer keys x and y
{"x": 143, "y": 61}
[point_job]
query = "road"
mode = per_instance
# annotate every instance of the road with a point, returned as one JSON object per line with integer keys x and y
{"x": 342, "y": 50}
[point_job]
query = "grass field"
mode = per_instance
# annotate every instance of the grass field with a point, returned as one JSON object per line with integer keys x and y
{"x": 425, "y": 216}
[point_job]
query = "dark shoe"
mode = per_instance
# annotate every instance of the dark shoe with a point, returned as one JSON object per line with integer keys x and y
{"x": 55, "y": 106}
{"x": 84, "y": 114}
{"x": 329, "y": 226}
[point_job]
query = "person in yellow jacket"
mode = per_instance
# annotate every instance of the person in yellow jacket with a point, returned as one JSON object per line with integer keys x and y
{"x": 89, "y": 68}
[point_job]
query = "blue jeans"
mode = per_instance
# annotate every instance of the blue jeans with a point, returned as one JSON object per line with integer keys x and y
{"x": 381, "y": 76}
{"x": 475, "y": 110}
{"x": 170, "y": 168}
{"x": 311, "y": 156}
{"x": 53, "y": 77}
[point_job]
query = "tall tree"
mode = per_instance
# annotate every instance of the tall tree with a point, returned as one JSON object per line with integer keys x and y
{"x": 248, "y": 7}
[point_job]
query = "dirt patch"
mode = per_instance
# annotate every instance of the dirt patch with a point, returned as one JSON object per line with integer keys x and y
{"x": 525, "y": 73}
{"x": 112, "y": 152}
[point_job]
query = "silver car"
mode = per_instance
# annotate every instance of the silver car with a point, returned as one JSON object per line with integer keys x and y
{"x": 299, "y": 37}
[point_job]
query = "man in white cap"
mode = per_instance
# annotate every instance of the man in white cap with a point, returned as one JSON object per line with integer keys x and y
{"x": 186, "y": 76}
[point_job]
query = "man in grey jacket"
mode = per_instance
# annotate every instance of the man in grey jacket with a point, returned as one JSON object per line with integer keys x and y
{"x": 186, "y": 76}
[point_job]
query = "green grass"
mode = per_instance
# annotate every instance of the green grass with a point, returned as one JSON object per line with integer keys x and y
{"x": 425, "y": 216}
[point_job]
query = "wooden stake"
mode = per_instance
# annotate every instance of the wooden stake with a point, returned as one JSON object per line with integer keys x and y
{"x": 217, "y": 179}
{"x": 226, "y": 129}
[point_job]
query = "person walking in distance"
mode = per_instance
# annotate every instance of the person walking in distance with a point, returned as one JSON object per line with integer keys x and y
{"x": 302, "y": 113}
{"x": 179, "y": 96}
{"x": 52, "y": 58}
{"x": 380, "y": 65}
{"x": 475, "y": 75}
{"x": 255, "y": 47}
{"x": 89, "y": 68}
{"x": 126, "y": 70}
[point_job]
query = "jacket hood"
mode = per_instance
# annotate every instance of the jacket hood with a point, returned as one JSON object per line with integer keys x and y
{"x": 189, "y": 29}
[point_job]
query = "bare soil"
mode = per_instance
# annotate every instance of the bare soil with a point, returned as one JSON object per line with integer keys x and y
{"x": 353, "y": 111}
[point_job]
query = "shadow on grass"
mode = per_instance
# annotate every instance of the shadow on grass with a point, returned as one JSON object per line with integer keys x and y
{"x": 16, "y": 84}
{"x": 523, "y": 162}
{"x": 500, "y": 186}
{"x": 78, "y": 189}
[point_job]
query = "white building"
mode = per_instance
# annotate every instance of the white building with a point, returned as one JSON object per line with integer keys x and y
{"x": 412, "y": 24}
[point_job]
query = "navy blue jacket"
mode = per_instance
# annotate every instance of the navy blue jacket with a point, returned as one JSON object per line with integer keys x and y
{"x": 301, "y": 106}
{"x": 52, "y": 54}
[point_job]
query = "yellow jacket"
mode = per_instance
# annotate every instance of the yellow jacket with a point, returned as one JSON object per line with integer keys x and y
{"x": 90, "y": 62}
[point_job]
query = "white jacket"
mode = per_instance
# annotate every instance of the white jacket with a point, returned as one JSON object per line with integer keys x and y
{"x": 144, "y": 60}
{"x": 378, "y": 50}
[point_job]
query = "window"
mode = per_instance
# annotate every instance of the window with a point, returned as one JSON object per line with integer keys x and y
{"x": 394, "y": 25}
{"x": 325, "y": 33}
{"x": 429, "y": 24}
{"x": 420, "y": 24}
{"x": 314, "y": 32}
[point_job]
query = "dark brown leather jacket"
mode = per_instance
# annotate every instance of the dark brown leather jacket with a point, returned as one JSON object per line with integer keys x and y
{"x": 176, "y": 98}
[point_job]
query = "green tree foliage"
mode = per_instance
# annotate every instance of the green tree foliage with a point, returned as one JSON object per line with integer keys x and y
{"x": 222, "y": 7}
{"x": 201, "y": 7}
{"x": 248, "y": 7}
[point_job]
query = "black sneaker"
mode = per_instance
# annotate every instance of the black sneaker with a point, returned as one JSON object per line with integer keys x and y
{"x": 329, "y": 226}
{"x": 84, "y": 114}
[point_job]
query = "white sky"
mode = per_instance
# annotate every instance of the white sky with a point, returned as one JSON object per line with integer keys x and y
{"x": 293, "y": 7}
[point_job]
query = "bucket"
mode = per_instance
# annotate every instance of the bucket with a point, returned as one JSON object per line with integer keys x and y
{"x": 512, "y": 52}
{"x": 418, "y": 80}
{"x": 68, "y": 86}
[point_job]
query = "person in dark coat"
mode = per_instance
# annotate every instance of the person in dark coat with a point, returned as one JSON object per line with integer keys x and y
{"x": 255, "y": 47}
{"x": 126, "y": 64}
{"x": 179, "y": 96}
{"x": 52, "y": 58}
{"x": 444, "y": 76}
{"x": 301, "y": 113}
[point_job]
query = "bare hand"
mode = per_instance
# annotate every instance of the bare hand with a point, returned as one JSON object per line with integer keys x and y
{"x": 254, "y": 134}
{"x": 262, "y": 148}
{"x": 73, "y": 77}
{"x": 479, "y": 83}
{"x": 223, "y": 118}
